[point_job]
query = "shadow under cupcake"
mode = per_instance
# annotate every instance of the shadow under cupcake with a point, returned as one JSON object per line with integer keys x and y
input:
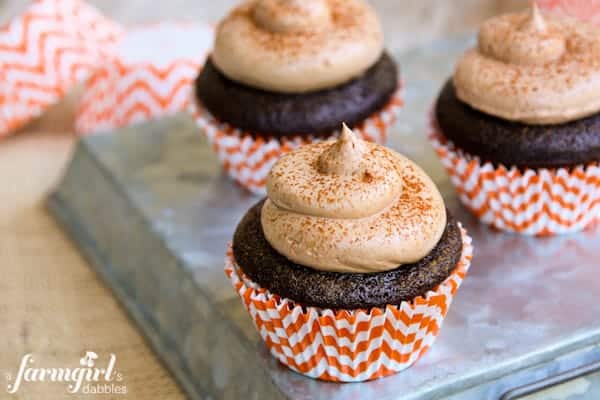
{"x": 349, "y": 266}
{"x": 518, "y": 125}
{"x": 283, "y": 73}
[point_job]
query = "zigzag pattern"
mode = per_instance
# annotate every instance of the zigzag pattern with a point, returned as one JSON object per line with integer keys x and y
{"x": 348, "y": 345}
{"x": 539, "y": 202}
{"x": 119, "y": 95}
{"x": 50, "y": 47}
{"x": 248, "y": 160}
{"x": 133, "y": 86}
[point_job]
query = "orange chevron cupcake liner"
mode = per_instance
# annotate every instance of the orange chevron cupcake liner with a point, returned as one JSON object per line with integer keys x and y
{"x": 46, "y": 50}
{"x": 137, "y": 84}
{"x": 248, "y": 159}
{"x": 541, "y": 202}
{"x": 348, "y": 345}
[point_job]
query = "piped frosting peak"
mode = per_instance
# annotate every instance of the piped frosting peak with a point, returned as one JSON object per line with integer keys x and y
{"x": 351, "y": 206}
{"x": 535, "y": 22}
{"x": 528, "y": 40}
{"x": 345, "y": 156}
{"x": 292, "y": 16}
{"x": 296, "y": 46}
{"x": 532, "y": 67}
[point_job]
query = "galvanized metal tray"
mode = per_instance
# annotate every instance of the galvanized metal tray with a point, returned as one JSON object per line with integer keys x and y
{"x": 152, "y": 211}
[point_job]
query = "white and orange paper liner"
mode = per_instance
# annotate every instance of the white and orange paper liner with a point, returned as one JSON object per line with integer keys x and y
{"x": 541, "y": 202}
{"x": 150, "y": 75}
{"x": 45, "y": 51}
{"x": 348, "y": 345}
{"x": 248, "y": 160}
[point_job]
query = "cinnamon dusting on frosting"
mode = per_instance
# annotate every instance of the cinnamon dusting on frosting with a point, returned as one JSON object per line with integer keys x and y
{"x": 291, "y": 16}
{"x": 533, "y": 68}
{"x": 295, "y": 46}
{"x": 375, "y": 213}
{"x": 345, "y": 156}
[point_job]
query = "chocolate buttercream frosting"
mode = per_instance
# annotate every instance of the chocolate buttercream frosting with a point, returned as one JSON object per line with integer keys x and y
{"x": 351, "y": 206}
{"x": 533, "y": 68}
{"x": 297, "y": 46}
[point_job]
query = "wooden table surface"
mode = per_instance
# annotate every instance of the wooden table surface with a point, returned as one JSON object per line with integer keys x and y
{"x": 51, "y": 302}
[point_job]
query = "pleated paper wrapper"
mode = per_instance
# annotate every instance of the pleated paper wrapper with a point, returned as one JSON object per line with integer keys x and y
{"x": 46, "y": 50}
{"x": 150, "y": 75}
{"x": 541, "y": 202}
{"x": 348, "y": 345}
{"x": 248, "y": 158}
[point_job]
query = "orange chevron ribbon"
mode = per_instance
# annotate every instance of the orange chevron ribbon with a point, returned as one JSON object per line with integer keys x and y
{"x": 539, "y": 202}
{"x": 44, "y": 52}
{"x": 122, "y": 92}
{"x": 248, "y": 160}
{"x": 348, "y": 345}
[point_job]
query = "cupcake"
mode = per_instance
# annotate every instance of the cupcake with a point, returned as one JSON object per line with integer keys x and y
{"x": 518, "y": 125}
{"x": 284, "y": 73}
{"x": 348, "y": 267}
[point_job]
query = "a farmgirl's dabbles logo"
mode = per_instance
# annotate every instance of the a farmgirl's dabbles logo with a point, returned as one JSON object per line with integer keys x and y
{"x": 87, "y": 378}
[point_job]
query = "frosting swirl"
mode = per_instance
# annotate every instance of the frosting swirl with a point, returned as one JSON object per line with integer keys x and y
{"x": 295, "y": 46}
{"x": 351, "y": 206}
{"x": 532, "y": 68}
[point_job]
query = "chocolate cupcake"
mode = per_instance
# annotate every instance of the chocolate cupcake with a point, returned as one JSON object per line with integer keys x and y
{"x": 349, "y": 266}
{"x": 518, "y": 125}
{"x": 284, "y": 73}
